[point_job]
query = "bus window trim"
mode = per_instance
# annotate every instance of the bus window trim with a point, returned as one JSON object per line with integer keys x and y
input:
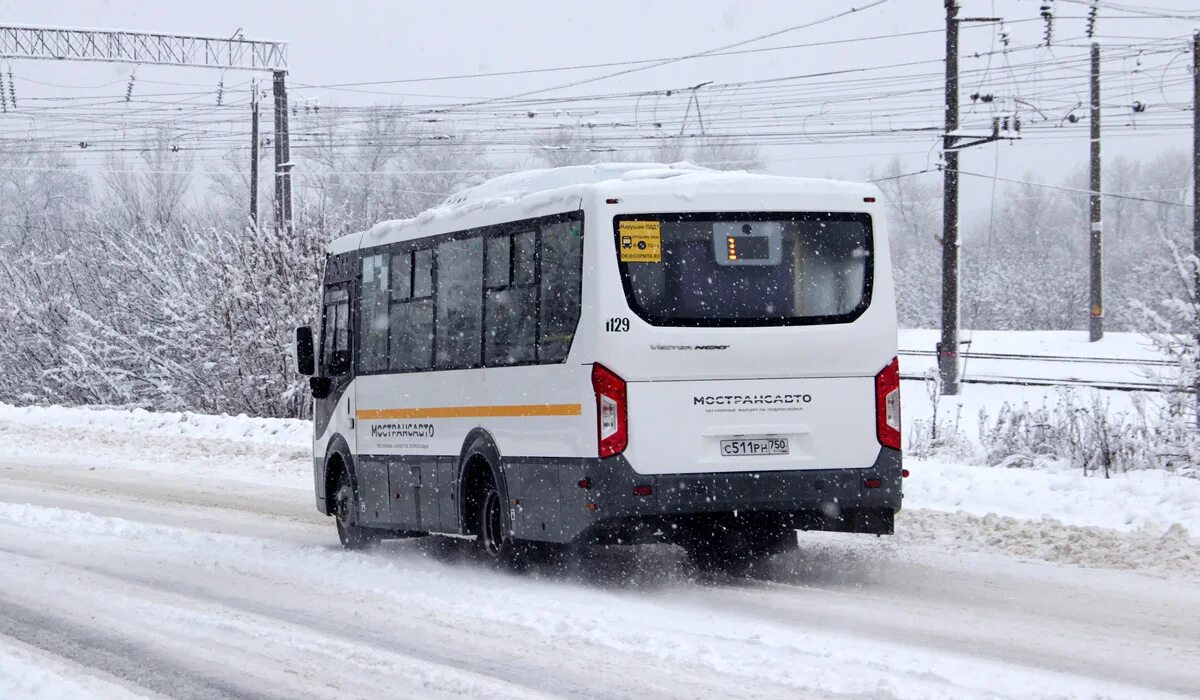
{"x": 759, "y": 322}
{"x": 433, "y": 241}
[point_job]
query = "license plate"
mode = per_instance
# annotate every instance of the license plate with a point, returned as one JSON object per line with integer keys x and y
{"x": 754, "y": 447}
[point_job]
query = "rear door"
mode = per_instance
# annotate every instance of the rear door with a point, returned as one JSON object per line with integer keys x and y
{"x": 754, "y": 340}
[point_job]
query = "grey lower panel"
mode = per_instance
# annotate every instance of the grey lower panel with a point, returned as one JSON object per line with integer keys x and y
{"x": 411, "y": 493}
{"x": 547, "y": 502}
{"x": 834, "y": 499}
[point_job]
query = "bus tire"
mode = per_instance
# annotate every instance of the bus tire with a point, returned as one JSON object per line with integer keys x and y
{"x": 346, "y": 513}
{"x": 738, "y": 552}
{"x": 495, "y": 542}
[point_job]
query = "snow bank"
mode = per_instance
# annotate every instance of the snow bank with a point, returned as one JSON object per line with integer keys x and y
{"x": 1170, "y": 553}
{"x": 265, "y": 451}
{"x": 26, "y": 672}
{"x": 241, "y": 428}
{"x": 1149, "y": 499}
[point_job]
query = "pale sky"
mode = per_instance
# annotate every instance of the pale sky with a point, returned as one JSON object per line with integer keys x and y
{"x": 379, "y": 41}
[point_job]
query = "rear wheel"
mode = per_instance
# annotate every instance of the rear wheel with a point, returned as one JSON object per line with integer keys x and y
{"x": 738, "y": 552}
{"x": 347, "y": 513}
{"x": 495, "y": 541}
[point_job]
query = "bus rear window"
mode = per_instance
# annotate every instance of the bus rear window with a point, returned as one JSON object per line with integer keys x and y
{"x": 745, "y": 269}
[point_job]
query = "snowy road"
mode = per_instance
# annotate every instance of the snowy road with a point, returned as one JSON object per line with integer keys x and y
{"x": 127, "y": 577}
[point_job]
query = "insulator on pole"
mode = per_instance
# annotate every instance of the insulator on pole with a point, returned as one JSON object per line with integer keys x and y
{"x": 1047, "y": 12}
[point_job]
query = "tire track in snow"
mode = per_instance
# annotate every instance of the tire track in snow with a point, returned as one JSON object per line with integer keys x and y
{"x": 491, "y": 657}
{"x": 120, "y": 657}
{"x": 181, "y": 634}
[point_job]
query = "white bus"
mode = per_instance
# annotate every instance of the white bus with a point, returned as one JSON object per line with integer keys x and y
{"x": 612, "y": 354}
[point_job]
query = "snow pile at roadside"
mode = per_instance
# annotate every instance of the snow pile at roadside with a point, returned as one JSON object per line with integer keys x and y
{"x": 279, "y": 431}
{"x": 1169, "y": 553}
{"x": 259, "y": 450}
{"x": 30, "y": 673}
{"x": 1149, "y": 499}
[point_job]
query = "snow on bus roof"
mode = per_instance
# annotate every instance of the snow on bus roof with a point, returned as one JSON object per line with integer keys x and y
{"x": 521, "y": 184}
{"x": 532, "y": 190}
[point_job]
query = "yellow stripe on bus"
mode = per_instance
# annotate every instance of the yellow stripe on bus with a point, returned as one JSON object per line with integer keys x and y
{"x": 517, "y": 411}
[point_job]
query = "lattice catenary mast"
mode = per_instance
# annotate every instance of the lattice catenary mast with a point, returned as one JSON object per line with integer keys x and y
{"x": 234, "y": 53}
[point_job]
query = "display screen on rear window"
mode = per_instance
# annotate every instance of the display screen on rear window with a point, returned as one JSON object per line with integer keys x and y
{"x": 745, "y": 269}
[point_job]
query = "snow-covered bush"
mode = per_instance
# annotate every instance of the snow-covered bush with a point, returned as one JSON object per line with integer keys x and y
{"x": 132, "y": 298}
{"x": 940, "y": 434}
{"x": 180, "y": 320}
{"x": 1175, "y": 322}
{"x": 1080, "y": 434}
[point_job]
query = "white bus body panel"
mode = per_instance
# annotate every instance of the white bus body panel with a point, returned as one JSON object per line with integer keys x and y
{"x": 668, "y": 368}
{"x": 341, "y": 422}
{"x": 828, "y": 423}
{"x": 529, "y": 411}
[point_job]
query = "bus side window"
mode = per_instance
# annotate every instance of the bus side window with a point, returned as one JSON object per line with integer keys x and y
{"x": 459, "y": 325}
{"x": 373, "y": 343}
{"x": 411, "y": 315}
{"x": 561, "y": 260}
{"x": 510, "y": 304}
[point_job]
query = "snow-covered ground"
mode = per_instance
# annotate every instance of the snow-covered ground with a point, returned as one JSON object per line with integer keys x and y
{"x": 180, "y": 555}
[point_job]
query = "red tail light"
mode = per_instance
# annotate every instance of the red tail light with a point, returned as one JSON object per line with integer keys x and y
{"x": 887, "y": 405}
{"x": 612, "y": 417}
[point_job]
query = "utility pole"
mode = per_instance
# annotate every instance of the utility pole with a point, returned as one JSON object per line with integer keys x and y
{"x": 254, "y": 155}
{"x": 1096, "y": 315}
{"x": 952, "y": 143}
{"x": 947, "y": 349}
{"x": 1196, "y": 196}
{"x": 283, "y": 159}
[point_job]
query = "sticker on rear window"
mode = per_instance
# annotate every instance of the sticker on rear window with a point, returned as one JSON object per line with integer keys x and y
{"x": 640, "y": 241}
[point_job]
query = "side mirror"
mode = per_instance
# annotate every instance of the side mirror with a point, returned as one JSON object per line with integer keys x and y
{"x": 306, "y": 363}
{"x": 320, "y": 386}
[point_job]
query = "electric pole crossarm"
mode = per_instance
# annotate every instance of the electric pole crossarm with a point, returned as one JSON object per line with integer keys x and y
{"x": 136, "y": 47}
{"x": 979, "y": 140}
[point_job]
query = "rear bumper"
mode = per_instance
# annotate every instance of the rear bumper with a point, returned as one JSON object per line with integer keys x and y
{"x": 678, "y": 504}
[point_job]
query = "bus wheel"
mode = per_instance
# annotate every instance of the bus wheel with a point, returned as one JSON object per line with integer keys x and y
{"x": 495, "y": 542}
{"x": 346, "y": 512}
{"x": 738, "y": 553}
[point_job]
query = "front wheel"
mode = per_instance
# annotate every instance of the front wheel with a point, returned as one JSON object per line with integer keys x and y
{"x": 347, "y": 513}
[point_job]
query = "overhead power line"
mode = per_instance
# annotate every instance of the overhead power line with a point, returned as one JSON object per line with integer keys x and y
{"x": 627, "y": 71}
{"x": 1076, "y": 190}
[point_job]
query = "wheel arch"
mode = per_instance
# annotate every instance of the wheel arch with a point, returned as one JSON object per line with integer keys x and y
{"x": 478, "y": 459}
{"x": 338, "y": 458}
